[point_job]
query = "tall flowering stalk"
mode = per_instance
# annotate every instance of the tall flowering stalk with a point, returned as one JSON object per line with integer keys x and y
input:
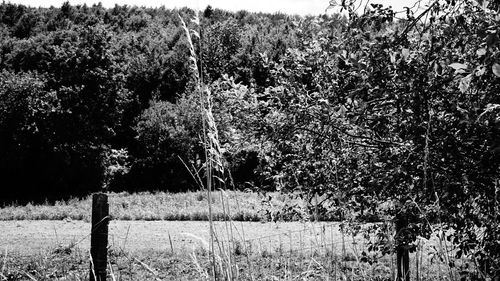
{"x": 214, "y": 164}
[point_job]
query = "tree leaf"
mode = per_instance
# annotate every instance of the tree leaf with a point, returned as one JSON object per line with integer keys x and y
{"x": 465, "y": 83}
{"x": 458, "y": 66}
{"x": 496, "y": 69}
{"x": 481, "y": 52}
{"x": 405, "y": 53}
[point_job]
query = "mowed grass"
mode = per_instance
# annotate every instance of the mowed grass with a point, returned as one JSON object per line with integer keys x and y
{"x": 244, "y": 206}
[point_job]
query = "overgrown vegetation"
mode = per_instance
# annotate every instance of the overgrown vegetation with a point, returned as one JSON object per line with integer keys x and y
{"x": 375, "y": 113}
{"x": 159, "y": 206}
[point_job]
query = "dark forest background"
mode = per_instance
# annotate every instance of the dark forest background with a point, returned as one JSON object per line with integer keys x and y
{"x": 80, "y": 83}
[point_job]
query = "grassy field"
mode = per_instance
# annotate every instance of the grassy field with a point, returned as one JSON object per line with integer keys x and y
{"x": 164, "y": 236}
{"x": 26, "y": 237}
{"x": 143, "y": 251}
{"x": 244, "y": 206}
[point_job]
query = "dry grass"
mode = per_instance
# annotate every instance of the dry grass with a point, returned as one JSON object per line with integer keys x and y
{"x": 152, "y": 206}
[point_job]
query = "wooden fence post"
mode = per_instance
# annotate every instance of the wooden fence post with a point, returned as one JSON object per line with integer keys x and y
{"x": 99, "y": 237}
{"x": 402, "y": 252}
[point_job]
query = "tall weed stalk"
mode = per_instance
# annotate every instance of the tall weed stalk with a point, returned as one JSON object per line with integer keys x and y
{"x": 214, "y": 168}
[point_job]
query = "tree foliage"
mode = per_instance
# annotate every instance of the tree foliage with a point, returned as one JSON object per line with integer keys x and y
{"x": 400, "y": 113}
{"x": 79, "y": 82}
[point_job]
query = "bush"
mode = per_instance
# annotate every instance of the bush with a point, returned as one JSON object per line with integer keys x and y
{"x": 167, "y": 133}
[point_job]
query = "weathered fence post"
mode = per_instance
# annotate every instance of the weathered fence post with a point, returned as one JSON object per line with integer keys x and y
{"x": 402, "y": 252}
{"x": 316, "y": 215}
{"x": 99, "y": 237}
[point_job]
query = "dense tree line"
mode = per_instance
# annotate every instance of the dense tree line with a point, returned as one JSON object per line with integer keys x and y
{"x": 79, "y": 83}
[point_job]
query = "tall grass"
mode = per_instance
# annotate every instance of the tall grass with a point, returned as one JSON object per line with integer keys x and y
{"x": 222, "y": 243}
{"x": 209, "y": 136}
{"x": 155, "y": 206}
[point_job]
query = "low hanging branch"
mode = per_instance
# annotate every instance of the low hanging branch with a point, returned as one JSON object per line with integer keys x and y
{"x": 412, "y": 24}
